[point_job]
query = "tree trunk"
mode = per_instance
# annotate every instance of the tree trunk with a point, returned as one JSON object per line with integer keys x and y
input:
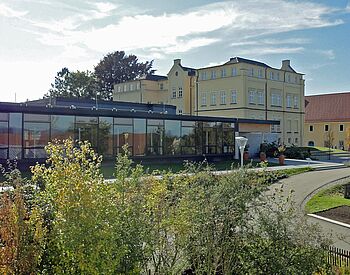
{"x": 347, "y": 191}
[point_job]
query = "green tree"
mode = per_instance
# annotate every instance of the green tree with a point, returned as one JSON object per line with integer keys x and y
{"x": 79, "y": 84}
{"x": 118, "y": 67}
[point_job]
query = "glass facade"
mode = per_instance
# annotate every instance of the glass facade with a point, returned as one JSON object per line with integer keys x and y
{"x": 24, "y": 136}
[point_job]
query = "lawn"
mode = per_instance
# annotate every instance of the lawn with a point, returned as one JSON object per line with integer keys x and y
{"x": 325, "y": 149}
{"x": 326, "y": 199}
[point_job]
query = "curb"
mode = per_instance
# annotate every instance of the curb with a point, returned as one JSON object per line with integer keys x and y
{"x": 329, "y": 220}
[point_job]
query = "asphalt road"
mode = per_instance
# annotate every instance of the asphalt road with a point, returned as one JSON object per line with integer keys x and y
{"x": 304, "y": 185}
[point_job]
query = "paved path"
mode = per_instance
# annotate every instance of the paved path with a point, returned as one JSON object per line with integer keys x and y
{"x": 305, "y": 184}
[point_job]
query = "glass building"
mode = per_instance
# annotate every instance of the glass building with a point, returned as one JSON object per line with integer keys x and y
{"x": 25, "y": 130}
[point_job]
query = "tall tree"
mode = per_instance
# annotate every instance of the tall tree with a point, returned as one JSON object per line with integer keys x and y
{"x": 80, "y": 84}
{"x": 117, "y": 67}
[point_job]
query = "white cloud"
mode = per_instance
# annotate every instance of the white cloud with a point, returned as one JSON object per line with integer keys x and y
{"x": 105, "y": 7}
{"x": 258, "y": 51}
{"x": 327, "y": 53}
{"x": 7, "y": 11}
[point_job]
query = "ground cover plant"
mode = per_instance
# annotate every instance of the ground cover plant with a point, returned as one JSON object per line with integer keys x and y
{"x": 327, "y": 199}
{"x": 74, "y": 222}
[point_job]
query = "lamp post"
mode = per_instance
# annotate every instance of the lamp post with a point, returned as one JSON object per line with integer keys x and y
{"x": 241, "y": 142}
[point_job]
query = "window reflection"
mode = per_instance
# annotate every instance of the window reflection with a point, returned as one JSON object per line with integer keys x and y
{"x": 155, "y": 137}
{"x": 62, "y": 127}
{"x": 139, "y": 136}
{"x": 172, "y": 137}
{"x": 105, "y": 136}
{"x": 86, "y": 130}
{"x": 15, "y": 136}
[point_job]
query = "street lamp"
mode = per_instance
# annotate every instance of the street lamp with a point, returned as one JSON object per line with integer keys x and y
{"x": 241, "y": 142}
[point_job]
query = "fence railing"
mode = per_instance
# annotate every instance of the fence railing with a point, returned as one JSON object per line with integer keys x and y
{"x": 338, "y": 257}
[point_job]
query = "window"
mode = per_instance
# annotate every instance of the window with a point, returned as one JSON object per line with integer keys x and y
{"x": 296, "y": 102}
{"x": 289, "y": 126}
{"x": 277, "y": 76}
{"x": 341, "y": 128}
{"x": 341, "y": 144}
{"x": 289, "y": 80}
{"x": 131, "y": 87}
{"x": 119, "y": 89}
{"x": 180, "y": 92}
{"x": 251, "y": 97}
{"x": 161, "y": 86}
{"x": 260, "y": 97}
{"x": 138, "y": 86}
{"x": 251, "y": 72}
{"x": 271, "y": 75}
{"x": 234, "y": 71}
{"x": 233, "y": 97}
{"x": 213, "y": 74}
{"x": 203, "y": 75}
{"x": 172, "y": 137}
{"x": 176, "y": 73}
{"x": 289, "y": 140}
{"x": 173, "y": 94}
{"x": 311, "y": 128}
{"x": 295, "y": 79}
{"x": 326, "y": 128}
{"x": 260, "y": 75}
{"x": 213, "y": 99}
{"x": 180, "y": 111}
{"x": 223, "y": 97}
{"x": 296, "y": 140}
{"x": 289, "y": 101}
{"x": 204, "y": 99}
{"x": 276, "y": 100}
{"x": 223, "y": 72}
{"x": 125, "y": 88}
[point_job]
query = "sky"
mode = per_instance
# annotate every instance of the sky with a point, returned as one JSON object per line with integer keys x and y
{"x": 40, "y": 37}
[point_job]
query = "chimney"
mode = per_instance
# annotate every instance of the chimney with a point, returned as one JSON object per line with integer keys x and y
{"x": 177, "y": 61}
{"x": 285, "y": 64}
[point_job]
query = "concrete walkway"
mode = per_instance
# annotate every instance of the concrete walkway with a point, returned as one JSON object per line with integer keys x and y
{"x": 305, "y": 185}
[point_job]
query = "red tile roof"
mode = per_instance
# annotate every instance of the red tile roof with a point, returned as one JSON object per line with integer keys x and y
{"x": 328, "y": 107}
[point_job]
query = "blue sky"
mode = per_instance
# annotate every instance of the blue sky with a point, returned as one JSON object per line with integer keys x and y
{"x": 39, "y": 37}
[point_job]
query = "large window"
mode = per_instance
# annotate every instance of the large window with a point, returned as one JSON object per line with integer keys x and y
{"x": 4, "y": 137}
{"x": 223, "y": 97}
{"x": 233, "y": 97}
{"x": 172, "y": 135}
{"x": 155, "y": 136}
{"x": 105, "y": 136}
{"x": 210, "y": 138}
{"x": 36, "y": 135}
{"x": 15, "y": 136}
{"x": 139, "y": 137}
{"x": 123, "y": 134}
{"x": 188, "y": 138}
{"x": 260, "y": 97}
{"x": 228, "y": 138}
{"x": 62, "y": 127}
{"x": 86, "y": 128}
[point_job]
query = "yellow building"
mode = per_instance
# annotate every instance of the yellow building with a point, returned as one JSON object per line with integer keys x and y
{"x": 246, "y": 88}
{"x": 327, "y": 120}
{"x": 239, "y": 88}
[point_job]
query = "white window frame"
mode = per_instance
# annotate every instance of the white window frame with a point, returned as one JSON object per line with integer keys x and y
{"x": 173, "y": 92}
{"x": 131, "y": 86}
{"x": 119, "y": 89}
{"x": 276, "y": 100}
{"x": 251, "y": 99}
{"x": 125, "y": 88}
{"x": 222, "y": 97}
{"x": 340, "y": 129}
{"x": 204, "y": 99}
{"x": 213, "y": 99}
{"x": 234, "y": 97}
{"x": 260, "y": 97}
{"x": 234, "y": 71}
{"x": 203, "y": 75}
{"x": 251, "y": 71}
{"x": 289, "y": 101}
{"x": 180, "y": 92}
{"x": 138, "y": 86}
{"x": 296, "y": 102}
{"x": 296, "y": 126}
{"x": 213, "y": 74}
{"x": 223, "y": 72}
{"x": 272, "y": 75}
{"x": 180, "y": 111}
{"x": 260, "y": 75}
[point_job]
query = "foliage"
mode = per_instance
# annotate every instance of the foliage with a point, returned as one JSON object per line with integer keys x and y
{"x": 295, "y": 152}
{"x": 79, "y": 84}
{"x": 117, "y": 67}
{"x": 269, "y": 149}
{"x": 22, "y": 233}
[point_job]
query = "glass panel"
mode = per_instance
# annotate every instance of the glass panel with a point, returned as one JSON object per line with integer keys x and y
{"x": 4, "y": 116}
{"x": 155, "y": 122}
{"x": 86, "y": 119}
{"x": 62, "y": 127}
{"x": 123, "y": 120}
{"x": 139, "y": 136}
{"x": 3, "y": 153}
{"x": 15, "y": 135}
{"x": 155, "y": 136}
{"x": 228, "y": 140}
{"x": 105, "y": 136}
{"x": 35, "y": 153}
{"x": 36, "y": 134}
{"x": 209, "y": 137}
{"x": 4, "y": 134}
{"x": 123, "y": 135}
{"x": 36, "y": 118}
{"x": 172, "y": 137}
{"x": 189, "y": 123}
{"x": 86, "y": 132}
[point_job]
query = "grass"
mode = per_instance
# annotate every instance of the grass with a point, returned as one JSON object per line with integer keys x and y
{"x": 325, "y": 149}
{"x": 297, "y": 171}
{"x": 327, "y": 199}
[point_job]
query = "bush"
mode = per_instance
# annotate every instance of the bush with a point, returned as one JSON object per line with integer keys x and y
{"x": 295, "y": 152}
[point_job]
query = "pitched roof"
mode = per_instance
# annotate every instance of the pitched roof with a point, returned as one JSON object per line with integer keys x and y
{"x": 234, "y": 60}
{"x": 327, "y": 107}
{"x": 191, "y": 71}
{"x": 155, "y": 77}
